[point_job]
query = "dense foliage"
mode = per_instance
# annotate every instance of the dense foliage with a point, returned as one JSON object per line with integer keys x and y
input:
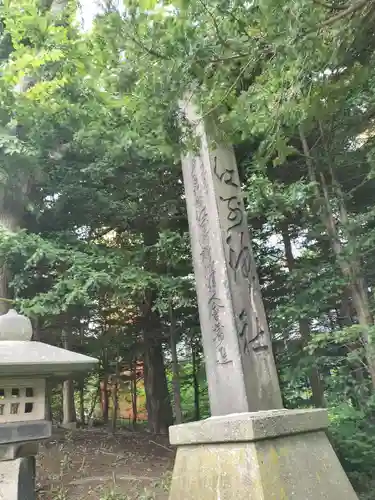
{"x": 94, "y": 236}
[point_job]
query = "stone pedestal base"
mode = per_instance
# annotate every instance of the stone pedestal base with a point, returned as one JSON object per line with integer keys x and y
{"x": 69, "y": 426}
{"x": 18, "y": 450}
{"x": 268, "y": 455}
{"x": 17, "y": 479}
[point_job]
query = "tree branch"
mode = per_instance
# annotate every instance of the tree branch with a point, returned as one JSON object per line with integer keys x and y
{"x": 149, "y": 51}
{"x": 159, "y": 55}
{"x": 223, "y": 42}
{"x": 229, "y": 90}
{"x": 240, "y": 23}
{"x": 331, "y": 6}
{"x": 360, "y": 4}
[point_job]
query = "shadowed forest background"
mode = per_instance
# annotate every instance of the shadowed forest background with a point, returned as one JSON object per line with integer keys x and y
{"x": 94, "y": 242}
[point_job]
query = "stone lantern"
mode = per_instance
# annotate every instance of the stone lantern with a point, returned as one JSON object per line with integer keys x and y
{"x": 24, "y": 369}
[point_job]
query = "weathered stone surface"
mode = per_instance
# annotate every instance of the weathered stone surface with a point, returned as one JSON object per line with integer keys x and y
{"x": 22, "y": 399}
{"x": 248, "y": 426}
{"x": 238, "y": 353}
{"x": 69, "y": 426}
{"x": 262, "y": 455}
{"x": 25, "y": 431}
{"x": 14, "y": 326}
{"x": 18, "y": 450}
{"x": 22, "y": 358}
{"x": 295, "y": 466}
{"x": 17, "y": 479}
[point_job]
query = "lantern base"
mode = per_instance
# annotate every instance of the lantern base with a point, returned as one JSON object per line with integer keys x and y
{"x": 273, "y": 455}
{"x": 18, "y": 450}
{"x": 19, "y": 432}
{"x": 17, "y": 479}
{"x": 69, "y": 426}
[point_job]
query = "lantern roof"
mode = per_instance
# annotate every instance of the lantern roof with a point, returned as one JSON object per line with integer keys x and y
{"x": 22, "y": 358}
{"x": 19, "y": 356}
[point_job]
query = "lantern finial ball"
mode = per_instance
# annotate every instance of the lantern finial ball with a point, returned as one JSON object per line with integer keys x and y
{"x": 14, "y": 326}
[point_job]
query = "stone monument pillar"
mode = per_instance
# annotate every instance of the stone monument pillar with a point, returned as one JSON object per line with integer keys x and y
{"x": 238, "y": 353}
{"x": 250, "y": 448}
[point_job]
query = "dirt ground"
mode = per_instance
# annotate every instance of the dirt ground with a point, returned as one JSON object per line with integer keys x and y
{"x": 93, "y": 464}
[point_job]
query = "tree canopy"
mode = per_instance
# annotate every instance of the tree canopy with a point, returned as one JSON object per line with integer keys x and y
{"x": 94, "y": 233}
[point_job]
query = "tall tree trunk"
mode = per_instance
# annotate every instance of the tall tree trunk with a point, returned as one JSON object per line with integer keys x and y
{"x": 316, "y": 383}
{"x": 158, "y": 402}
{"x": 37, "y": 337}
{"x": 357, "y": 371}
{"x": 82, "y": 381}
{"x": 114, "y": 393}
{"x": 315, "y": 380}
{"x": 104, "y": 399}
{"x": 133, "y": 384}
{"x": 345, "y": 312}
{"x": 48, "y": 401}
{"x": 69, "y": 412}
{"x": 8, "y": 222}
{"x": 195, "y": 363}
{"x": 104, "y": 391}
{"x": 175, "y": 368}
{"x": 94, "y": 401}
{"x": 349, "y": 265}
{"x": 13, "y": 197}
{"x": 82, "y": 401}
